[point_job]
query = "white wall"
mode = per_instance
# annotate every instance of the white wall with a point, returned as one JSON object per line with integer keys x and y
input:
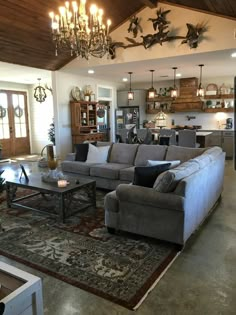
{"x": 63, "y": 83}
{"x": 219, "y": 36}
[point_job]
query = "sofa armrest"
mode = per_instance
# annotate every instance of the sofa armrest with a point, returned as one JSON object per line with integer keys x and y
{"x": 149, "y": 197}
{"x": 70, "y": 157}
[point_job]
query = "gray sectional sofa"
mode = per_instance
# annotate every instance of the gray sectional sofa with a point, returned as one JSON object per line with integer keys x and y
{"x": 179, "y": 200}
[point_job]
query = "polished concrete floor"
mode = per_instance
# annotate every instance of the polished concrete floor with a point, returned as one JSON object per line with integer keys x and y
{"x": 201, "y": 281}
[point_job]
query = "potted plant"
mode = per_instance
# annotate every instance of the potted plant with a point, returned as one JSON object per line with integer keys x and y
{"x": 87, "y": 93}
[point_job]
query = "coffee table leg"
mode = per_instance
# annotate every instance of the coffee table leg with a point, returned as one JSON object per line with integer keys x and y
{"x": 11, "y": 193}
{"x": 60, "y": 206}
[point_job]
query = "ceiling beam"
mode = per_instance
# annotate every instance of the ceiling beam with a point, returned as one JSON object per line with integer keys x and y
{"x": 150, "y": 3}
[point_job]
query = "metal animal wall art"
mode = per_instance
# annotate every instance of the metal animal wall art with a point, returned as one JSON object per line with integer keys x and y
{"x": 162, "y": 33}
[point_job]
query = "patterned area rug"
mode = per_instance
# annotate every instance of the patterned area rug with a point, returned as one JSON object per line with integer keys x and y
{"x": 122, "y": 268}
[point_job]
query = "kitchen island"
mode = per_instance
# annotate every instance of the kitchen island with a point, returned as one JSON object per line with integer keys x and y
{"x": 203, "y": 137}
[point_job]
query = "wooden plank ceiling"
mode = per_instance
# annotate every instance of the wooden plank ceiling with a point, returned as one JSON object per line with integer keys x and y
{"x": 25, "y": 36}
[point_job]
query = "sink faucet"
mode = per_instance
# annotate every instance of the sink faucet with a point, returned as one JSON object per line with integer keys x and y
{"x": 190, "y": 117}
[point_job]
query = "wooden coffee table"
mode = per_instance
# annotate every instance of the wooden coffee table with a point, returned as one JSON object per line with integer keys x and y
{"x": 62, "y": 196}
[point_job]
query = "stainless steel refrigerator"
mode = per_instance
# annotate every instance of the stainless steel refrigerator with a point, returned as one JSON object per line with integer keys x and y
{"x": 126, "y": 117}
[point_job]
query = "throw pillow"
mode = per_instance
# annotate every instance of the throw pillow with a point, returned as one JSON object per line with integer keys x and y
{"x": 172, "y": 163}
{"x": 146, "y": 175}
{"x": 81, "y": 152}
{"x": 97, "y": 154}
{"x": 168, "y": 181}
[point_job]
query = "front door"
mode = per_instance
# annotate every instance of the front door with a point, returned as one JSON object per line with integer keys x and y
{"x": 14, "y": 128}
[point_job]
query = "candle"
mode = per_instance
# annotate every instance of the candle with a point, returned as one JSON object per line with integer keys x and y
{"x": 62, "y": 183}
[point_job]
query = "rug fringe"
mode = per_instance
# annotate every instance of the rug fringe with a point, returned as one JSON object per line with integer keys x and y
{"x": 155, "y": 283}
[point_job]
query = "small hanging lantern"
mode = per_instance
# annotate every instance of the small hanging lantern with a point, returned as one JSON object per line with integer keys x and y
{"x": 130, "y": 93}
{"x": 39, "y": 93}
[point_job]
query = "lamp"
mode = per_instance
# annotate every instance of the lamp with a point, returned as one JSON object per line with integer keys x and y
{"x": 161, "y": 118}
{"x": 200, "y": 90}
{"x": 174, "y": 91}
{"x": 130, "y": 93}
{"x": 83, "y": 35}
{"x": 39, "y": 93}
{"x": 152, "y": 92}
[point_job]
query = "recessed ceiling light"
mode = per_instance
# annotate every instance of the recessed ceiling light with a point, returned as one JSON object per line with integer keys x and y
{"x": 178, "y": 74}
{"x": 90, "y": 71}
{"x": 124, "y": 79}
{"x": 233, "y": 54}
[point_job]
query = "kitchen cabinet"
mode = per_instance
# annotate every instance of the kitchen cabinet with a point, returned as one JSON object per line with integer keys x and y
{"x": 222, "y": 138}
{"x": 228, "y": 143}
{"x": 84, "y": 122}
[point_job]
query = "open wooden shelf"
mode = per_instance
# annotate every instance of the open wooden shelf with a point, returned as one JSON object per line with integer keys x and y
{"x": 218, "y": 96}
{"x": 216, "y": 110}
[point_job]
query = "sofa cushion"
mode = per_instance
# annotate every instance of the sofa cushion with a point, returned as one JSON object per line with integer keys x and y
{"x": 172, "y": 163}
{"x": 127, "y": 174}
{"x": 123, "y": 153}
{"x": 183, "y": 154}
{"x": 149, "y": 152}
{"x": 167, "y": 181}
{"x": 76, "y": 167}
{"x": 97, "y": 154}
{"x": 202, "y": 160}
{"x": 213, "y": 152}
{"x": 146, "y": 175}
{"x": 81, "y": 151}
{"x": 108, "y": 170}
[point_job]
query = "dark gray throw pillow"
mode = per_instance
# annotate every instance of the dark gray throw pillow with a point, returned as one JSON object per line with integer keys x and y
{"x": 81, "y": 152}
{"x": 146, "y": 175}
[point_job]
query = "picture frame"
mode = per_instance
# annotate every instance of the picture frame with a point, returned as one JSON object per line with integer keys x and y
{"x": 24, "y": 173}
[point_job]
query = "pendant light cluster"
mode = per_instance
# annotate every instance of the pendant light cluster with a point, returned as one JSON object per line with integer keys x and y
{"x": 200, "y": 90}
{"x": 130, "y": 93}
{"x": 152, "y": 92}
{"x": 174, "y": 91}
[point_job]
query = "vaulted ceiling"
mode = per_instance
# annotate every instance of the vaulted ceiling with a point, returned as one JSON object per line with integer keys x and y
{"x": 25, "y": 37}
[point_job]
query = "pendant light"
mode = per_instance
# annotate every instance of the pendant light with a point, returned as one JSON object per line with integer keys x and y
{"x": 39, "y": 93}
{"x": 152, "y": 92}
{"x": 130, "y": 93}
{"x": 174, "y": 91}
{"x": 200, "y": 90}
{"x": 160, "y": 118}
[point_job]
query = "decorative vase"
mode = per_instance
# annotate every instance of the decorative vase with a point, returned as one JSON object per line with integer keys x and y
{"x": 86, "y": 98}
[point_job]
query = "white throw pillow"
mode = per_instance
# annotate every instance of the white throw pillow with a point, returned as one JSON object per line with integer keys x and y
{"x": 97, "y": 154}
{"x": 172, "y": 163}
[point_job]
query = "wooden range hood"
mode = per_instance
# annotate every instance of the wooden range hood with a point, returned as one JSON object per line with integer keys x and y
{"x": 187, "y": 99}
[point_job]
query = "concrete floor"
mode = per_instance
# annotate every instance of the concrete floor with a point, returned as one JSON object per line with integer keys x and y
{"x": 202, "y": 280}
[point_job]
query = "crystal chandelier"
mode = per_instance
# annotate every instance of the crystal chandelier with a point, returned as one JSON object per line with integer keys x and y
{"x": 83, "y": 35}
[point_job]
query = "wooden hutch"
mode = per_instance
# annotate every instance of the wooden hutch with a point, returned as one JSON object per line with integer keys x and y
{"x": 84, "y": 122}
